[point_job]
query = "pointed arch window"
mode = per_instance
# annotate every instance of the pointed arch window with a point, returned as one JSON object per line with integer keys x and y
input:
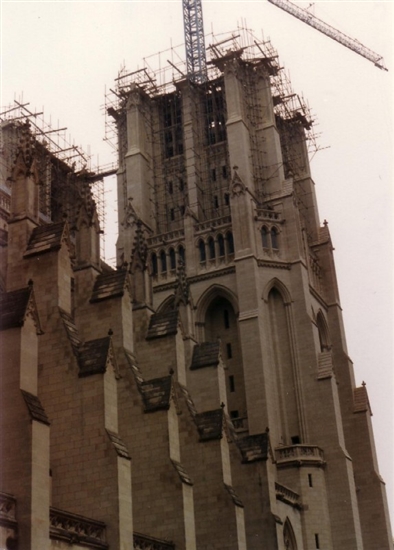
{"x": 163, "y": 261}
{"x": 181, "y": 255}
{"x": 172, "y": 259}
{"x": 201, "y": 248}
{"x": 324, "y": 335}
{"x": 211, "y": 248}
{"x": 221, "y": 245}
{"x": 230, "y": 243}
{"x": 288, "y": 536}
{"x": 264, "y": 237}
{"x": 153, "y": 261}
{"x": 274, "y": 238}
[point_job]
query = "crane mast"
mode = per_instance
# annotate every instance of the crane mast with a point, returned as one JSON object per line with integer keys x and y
{"x": 194, "y": 41}
{"x": 326, "y": 29}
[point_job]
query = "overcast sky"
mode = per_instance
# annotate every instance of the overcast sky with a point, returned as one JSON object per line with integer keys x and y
{"x": 62, "y": 55}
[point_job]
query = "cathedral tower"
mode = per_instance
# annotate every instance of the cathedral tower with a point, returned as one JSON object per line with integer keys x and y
{"x": 216, "y": 178}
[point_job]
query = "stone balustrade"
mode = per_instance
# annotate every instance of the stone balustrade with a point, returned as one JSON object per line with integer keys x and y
{"x": 76, "y": 529}
{"x": 267, "y": 214}
{"x": 288, "y": 496}
{"x": 299, "y": 455}
{"x": 143, "y": 542}
{"x": 240, "y": 424}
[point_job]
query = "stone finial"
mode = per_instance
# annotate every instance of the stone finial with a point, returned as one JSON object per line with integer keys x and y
{"x": 139, "y": 253}
{"x": 27, "y": 144}
{"x": 130, "y": 217}
{"x": 25, "y": 153}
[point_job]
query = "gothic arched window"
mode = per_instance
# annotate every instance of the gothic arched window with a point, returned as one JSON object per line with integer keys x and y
{"x": 153, "y": 260}
{"x": 211, "y": 248}
{"x": 172, "y": 259}
{"x": 201, "y": 248}
{"x": 230, "y": 243}
{"x": 274, "y": 238}
{"x": 221, "y": 245}
{"x": 181, "y": 255}
{"x": 264, "y": 237}
{"x": 288, "y": 536}
{"x": 163, "y": 261}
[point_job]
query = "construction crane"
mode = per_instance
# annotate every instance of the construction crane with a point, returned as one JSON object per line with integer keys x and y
{"x": 326, "y": 29}
{"x": 194, "y": 41}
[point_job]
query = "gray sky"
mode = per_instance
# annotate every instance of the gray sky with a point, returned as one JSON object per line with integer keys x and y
{"x": 62, "y": 55}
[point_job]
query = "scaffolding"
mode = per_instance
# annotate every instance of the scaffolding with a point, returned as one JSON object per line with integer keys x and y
{"x": 163, "y": 81}
{"x": 59, "y": 161}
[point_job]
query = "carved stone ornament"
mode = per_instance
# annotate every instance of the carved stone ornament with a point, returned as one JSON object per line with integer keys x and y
{"x": 182, "y": 292}
{"x": 25, "y": 162}
{"x": 76, "y": 529}
{"x": 140, "y": 251}
{"x": 111, "y": 359}
{"x": 130, "y": 216}
{"x": 232, "y": 66}
{"x": 31, "y": 310}
{"x": 238, "y": 187}
{"x": 134, "y": 96}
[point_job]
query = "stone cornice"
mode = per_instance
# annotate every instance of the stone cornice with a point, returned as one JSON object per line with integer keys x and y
{"x": 273, "y": 264}
{"x": 196, "y": 279}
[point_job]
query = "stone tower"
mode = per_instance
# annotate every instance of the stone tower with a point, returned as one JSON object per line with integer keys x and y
{"x": 216, "y": 180}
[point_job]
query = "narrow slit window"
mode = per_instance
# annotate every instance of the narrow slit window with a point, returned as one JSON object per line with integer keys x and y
{"x": 227, "y": 199}
{"x": 226, "y": 319}
{"x": 231, "y": 383}
{"x": 211, "y": 247}
{"x": 154, "y": 264}
{"x": 264, "y": 236}
{"x": 317, "y": 543}
{"x": 310, "y": 481}
{"x": 163, "y": 261}
{"x": 229, "y": 351}
{"x": 172, "y": 259}
{"x": 221, "y": 245}
{"x": 216, "y": 201}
